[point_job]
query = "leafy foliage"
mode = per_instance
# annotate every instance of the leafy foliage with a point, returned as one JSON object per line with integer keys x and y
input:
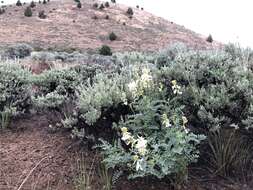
{"x": 15, "y": 91}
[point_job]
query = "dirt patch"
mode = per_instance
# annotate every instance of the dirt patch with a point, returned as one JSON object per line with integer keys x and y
{"x": 29, "y": 144}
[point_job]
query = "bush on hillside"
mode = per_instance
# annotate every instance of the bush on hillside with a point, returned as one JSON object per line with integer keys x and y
{"x": 113, "y": 1}
{"x": 18, "y": 3}
{"x": 79, "y": 5}
{"x": 32, "y": 4}
{"x": 107, "y": 4}
{"x": 130, "y": 11}
{"x": 105, "y": 50}
{"x": 101, "y": 7}
{"x": 18, "y": 51}
{"x": 28, "y": 12}
{"x": 42, "y": 15}
{"x": 44, "y": 2}
{"x": 209, "y": 38}
{"x": 113, "y": 36}
{"x": 2, "y": 11}
{"x": 15, "y": 91}
{"x": 95, "y": 5}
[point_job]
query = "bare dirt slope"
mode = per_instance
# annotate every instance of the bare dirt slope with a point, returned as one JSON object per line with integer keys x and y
{"x": 68, "y": 26}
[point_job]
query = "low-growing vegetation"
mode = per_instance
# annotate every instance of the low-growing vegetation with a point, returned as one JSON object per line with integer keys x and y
{"x": 28, "y": 12}
{"x": 149, "y": 115}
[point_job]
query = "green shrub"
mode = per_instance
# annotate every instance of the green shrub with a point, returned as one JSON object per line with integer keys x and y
{"x": 79, "y": 5}
{"x": 130, "y": 11}
{"x": 2, "y": 11}
{"x": 42, "y": 15}
{"x": 107, "y": 4}
{"x": 44, "y": 2}
{"x": 18, "y": 51}
{"x": 95, "y": 5}
{"x": 113, "y": 36}
{"x": 209, "y": 38}
{"x": 154, "y": 134}
{"x": 101, "y": 7}
{"x": 15, "y": 91}
{"x": 113, "y": 1}
{"x": 32, "y": 4}
{"x": 18, "y": 3}
{"x": 105, "y": 50}
{"x": 28, "y": 12}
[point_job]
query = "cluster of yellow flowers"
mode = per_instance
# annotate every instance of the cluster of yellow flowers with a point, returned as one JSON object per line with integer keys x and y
{"x": 176, "y": 88}
{"x": 139, "y": 144}
{"x": 136, "y": 87}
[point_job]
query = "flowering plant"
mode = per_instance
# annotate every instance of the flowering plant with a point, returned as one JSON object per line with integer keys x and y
{"x": 153, "y": 139}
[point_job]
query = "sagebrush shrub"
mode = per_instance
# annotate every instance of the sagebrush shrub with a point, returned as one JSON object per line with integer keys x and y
{"x": 18, "y": 3}
{"x": 107, "y": 4}
{"x": 42, "y": 15}
{"x": 105, "y": 50}
{"x": 130, "y": 11}
{"x": 113, "y": 1}
{"x": 2, "y": 11}
{"x": 101, "y": 7}
{"x": 113, "y": 36}
{"x": 15, "y": 91}
{"x": 28, "y": 12}
{"x": 18, "y": 51}
{"x": 209, "y": 38}
{"x": 79, "y": 5}
{"x": 95, "y": 5}
{"x": 32, "y": 4}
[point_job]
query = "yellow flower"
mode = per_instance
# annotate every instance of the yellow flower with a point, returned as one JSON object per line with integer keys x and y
{"x": 185, "y": 120}
{"x": 135, "y": 157}
{"x": 174, "y": 82}
{"x": 124, "y": 129}
{"x": 141, "y": 145}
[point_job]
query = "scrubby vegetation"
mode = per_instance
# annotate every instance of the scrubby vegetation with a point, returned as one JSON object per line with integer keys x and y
{"x": 28, "y": 12}
{"x": 18, "y": 3}
{"x": 42, "y": 15}
{"x": 113, "y": 36}
{"x": 209, "y": 38}
{"x": 149, "y": 115}
{"x": 130, "y": 11}
{"x": 105, "y": 50}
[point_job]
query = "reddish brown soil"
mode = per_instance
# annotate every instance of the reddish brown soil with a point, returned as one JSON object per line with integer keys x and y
{"x": 69, "y": 27}
{"x": 30, "y": 142}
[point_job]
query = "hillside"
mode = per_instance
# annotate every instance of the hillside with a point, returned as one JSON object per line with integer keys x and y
{"x": 68, "y": 26}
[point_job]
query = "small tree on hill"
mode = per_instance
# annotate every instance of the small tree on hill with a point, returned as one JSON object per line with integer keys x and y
{"x": 2, "y": 11}
{"x": 113, "y": 1}
{"x": 105, "y": 50}
{"x": 32, "y": 5}
{"x": 42, "y": 15}
{"x": 101, "y": 6}
{"x": 79, "y": 5}
{"x": 28, "y": 12}
{"x": 130, "y": 11}
{"x": 107, "y": 4}
{"x": 112, "y": 36}
{"x": 209, "y": 38}
{"x": 95, "y": 5}
{"x": 44, "y": 2}
{"x": 19, "y": 3}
